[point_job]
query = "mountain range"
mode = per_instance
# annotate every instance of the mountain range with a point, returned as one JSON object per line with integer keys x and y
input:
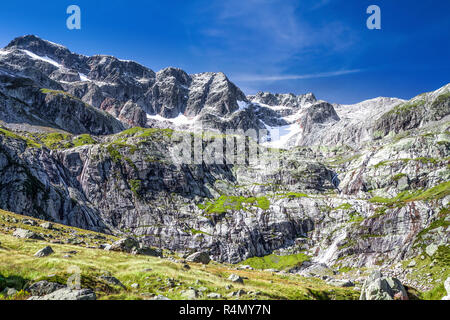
{"x": 89, "y": 142}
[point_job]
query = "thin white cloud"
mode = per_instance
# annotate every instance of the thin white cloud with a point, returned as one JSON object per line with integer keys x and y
{"x": 251, "y": 78}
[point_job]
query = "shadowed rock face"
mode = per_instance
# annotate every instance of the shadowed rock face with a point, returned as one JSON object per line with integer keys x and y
{"x": 415, "y": 113}
{"x": 23, "y": 102}
{"x": 388, "y": 157}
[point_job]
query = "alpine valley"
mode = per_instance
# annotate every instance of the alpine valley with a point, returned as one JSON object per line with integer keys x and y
{"x": 356, "y": 205}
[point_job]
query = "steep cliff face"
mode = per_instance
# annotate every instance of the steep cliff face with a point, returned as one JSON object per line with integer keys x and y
{"x": 34, "y": 183}
{"x": 417, "y": 112}
{"x": 352, "y": 186}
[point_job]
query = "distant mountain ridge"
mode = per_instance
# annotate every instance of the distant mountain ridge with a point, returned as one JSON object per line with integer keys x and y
{"x": 170, "y": 98}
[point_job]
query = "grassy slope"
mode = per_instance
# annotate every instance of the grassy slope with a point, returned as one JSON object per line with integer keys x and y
{"x": 18, "y": 267}
{"x": 274, "y": 261}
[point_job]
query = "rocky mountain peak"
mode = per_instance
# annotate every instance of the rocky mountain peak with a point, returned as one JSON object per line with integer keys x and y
{"x": 36, "y": 45}
{"x": 283, "y": 99}
{"x": 110, "y": 69}
{"x": 55, "y": 53}
{"x": 178, "y": 74}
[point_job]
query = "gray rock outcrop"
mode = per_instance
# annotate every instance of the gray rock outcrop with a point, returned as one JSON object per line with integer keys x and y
{"x": 68, "y": 294}
{"x": 43, "y": 288}
{"x": 26, "y": 234}
{"x": 377, "y": 287}
{"x": 199, "y": 257}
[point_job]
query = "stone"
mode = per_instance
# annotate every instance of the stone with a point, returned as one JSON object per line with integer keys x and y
{"x": 170, "y": 283}
{"x": 75, "y": 241}
{"x": 112, "y": 280}
{"x": 105, "y": 246}
{"x": 146, "y": 251}
{"x": 245, "y": 267}
{"x": 9, "y": 292}
{"x": 44, "y": 252}
{"x": 43, "y": 288}
{"x": 190, "y": 294}
{"x": 26, "y": 234}
{"x": 135, "y": 286}
{"x": 238, "y": 293}
{"x": 214, "y": 295}
{"x": 29, "y": 222}
{"x": 235, "y": 278}
{"x": 47, "y": 225}
{"x": 160, "y": 297}
{"x": 377, "y": 287}
{"x": 431, "y": 249}
{"x": 272, "y": 270}
{"x": 125, "y": 245}
{"x": 341, "y": 283}
{"x": 412, "y": 264}
{"x": 68, "y": 294}
{"x": 199, "y": 257}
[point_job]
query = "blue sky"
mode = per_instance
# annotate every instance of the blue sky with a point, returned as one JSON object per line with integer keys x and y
{"x": 319, "y": 46}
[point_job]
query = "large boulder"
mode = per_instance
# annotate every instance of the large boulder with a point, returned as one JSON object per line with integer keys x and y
{"x": 147, "y": 251}
{"x": 340, "y": 283}
{"x": 199, "y": 257}
{"x": 125, "y": 245}
{"x": 9, "y": 292}
{"x": 68, "y": 294}
{"x": 44, "y": 252}
{"x": 47, "y": 225}
{"x": 26, "y": 234}
{"x": 235, "y": 278}
{"x": 29, "y": 222}
{"x": 43, "y": 288}
{"x": 377, "y": 287}
{"x": 112, "y": 280}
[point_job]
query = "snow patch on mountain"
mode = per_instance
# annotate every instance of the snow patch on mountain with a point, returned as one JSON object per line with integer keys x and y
{"x": 45, "y": 58}
{"x": 279, "y": 136}
{"x": 242, "y": 105}
{"x": 181, "y": 119}
{"x": 83, "y": 77}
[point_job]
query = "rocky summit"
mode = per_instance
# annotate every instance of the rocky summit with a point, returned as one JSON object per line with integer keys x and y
{"x": 186, "y": 168}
